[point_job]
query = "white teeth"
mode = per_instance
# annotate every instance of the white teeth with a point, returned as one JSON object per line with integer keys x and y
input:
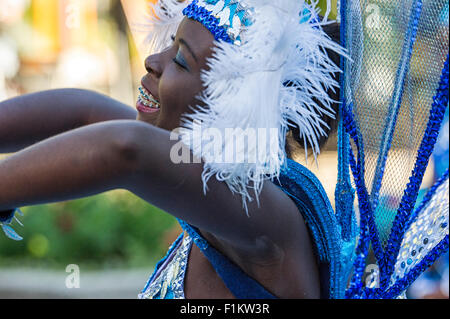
{"x": 146, "y": 98}
{"x": 149, "y": 104}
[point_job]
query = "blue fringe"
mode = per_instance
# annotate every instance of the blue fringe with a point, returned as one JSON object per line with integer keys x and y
{"x": 368, "y": 228}
{"x": 344, "y": 193}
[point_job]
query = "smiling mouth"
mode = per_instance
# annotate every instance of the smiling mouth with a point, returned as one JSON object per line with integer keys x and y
{"x": 147, "y": 100}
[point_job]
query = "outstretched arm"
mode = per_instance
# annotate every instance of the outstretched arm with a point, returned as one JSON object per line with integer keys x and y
{"x": 137, "y": 156}
{"x": 79, "y": 163}
{"x": 30, "y": 118}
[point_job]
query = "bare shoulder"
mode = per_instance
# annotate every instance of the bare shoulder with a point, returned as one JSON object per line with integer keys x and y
{"x": 282, "y": 258}
{"x": 269, "y": 243}
{"x": 272, "y": 232}
{"x": 179, "y": 189}
{"x": 279, "y": 222}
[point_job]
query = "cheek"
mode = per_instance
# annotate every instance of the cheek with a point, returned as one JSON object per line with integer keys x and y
{"x": 177, "y": 91}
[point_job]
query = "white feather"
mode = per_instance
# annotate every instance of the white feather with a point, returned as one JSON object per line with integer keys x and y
{"x": 163, "y": 20}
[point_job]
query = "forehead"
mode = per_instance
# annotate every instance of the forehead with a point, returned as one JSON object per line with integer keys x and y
{"x": 199, "y": 39}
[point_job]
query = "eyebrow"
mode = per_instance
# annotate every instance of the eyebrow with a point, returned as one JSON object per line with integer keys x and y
{"x": 182, "y": 41}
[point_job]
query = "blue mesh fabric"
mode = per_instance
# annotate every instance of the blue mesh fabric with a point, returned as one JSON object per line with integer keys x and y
{"x": 395, "y": 95}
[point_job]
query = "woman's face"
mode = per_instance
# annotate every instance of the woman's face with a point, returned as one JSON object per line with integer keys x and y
{"x": 173, "y": 76}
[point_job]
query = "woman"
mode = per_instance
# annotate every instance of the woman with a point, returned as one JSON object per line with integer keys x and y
{"x": 91, "y": 144}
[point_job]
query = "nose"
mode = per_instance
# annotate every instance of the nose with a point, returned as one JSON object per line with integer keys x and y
{"x": 153, "y": 66}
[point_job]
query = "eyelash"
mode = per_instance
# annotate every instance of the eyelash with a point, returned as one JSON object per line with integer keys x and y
{"x": 181, "y": 65}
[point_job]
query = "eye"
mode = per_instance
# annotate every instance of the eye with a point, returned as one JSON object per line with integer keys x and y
{"x": 180, "y": 61}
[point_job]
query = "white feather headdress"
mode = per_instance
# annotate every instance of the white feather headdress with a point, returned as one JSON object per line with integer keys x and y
{"x": 279, "y": 73}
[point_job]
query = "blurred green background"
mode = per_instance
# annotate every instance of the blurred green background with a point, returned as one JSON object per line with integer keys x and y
{"x": 113, "y": 230}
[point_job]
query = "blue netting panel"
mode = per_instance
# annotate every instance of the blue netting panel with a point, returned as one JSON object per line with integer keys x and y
{"x": 399, "y": 49}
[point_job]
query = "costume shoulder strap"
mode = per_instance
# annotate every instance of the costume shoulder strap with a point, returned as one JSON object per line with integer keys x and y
{"x": 333, "y": 252}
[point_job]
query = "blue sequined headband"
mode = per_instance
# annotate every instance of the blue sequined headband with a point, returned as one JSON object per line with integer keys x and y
{"x": 227, "y": 19}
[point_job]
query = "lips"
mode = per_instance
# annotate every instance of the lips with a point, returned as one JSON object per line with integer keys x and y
{"x": 147, "y": 102}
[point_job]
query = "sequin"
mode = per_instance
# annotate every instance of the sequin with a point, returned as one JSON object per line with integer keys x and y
{"x": 224, "y": 19}
{"x": 169, "y": 283}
